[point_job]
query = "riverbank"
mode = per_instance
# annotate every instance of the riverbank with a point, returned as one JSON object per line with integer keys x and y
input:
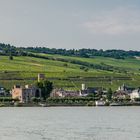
{"x": 63, "y": 105}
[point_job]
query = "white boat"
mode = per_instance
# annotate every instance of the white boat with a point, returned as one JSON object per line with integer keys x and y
{"x": 100, "y": 103}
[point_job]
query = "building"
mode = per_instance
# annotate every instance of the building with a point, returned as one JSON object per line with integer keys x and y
{"x": 121, "y": 95}
{"x": 41, "y": 77}
{"x": 123, "y": 92}
{"x": 91, "y": 90}
{"x": 25, "y": 94}
{"x": 135, "y": 94}
{"x": 64, "y": 93}
{"x": 83, "y": 87}
{"x": 3, "y": 92}
{"x": 125, "y": 89}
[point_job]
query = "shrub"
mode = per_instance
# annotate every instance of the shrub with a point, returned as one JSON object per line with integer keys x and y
{"x": 91, "y": 103}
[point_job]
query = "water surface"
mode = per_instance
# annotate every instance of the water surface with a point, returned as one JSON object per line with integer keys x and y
{"x": 70, "y": 123}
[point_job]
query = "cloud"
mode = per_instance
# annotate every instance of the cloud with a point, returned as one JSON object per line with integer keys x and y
{"x": 115, "y": 22}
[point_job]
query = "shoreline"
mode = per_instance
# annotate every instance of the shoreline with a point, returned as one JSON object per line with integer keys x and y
{"x": 66, "y": 105}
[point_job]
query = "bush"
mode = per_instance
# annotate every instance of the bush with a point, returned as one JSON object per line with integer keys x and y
{"x": 10, "y": 57}
{"x": 2, "y": 105}
{"x": 91, "y": 103}
{"x": 137, "y": 99}
{"x": 17, "y": 104}
{"x": 6, "y": 99}
{"x": 35, "y": 100}
{"x": 107, "y": 104}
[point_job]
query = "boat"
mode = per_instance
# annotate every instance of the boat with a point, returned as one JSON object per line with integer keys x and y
{"x": 100, "y": 103}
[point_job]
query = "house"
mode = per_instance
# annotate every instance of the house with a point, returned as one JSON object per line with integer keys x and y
{"x": 1, "y": 51}
{"x": 125, "y": 89}
{"x": 64, "y": 93}
{"x": 121, "y": 95}
{"x": 135, "y": 94}
{"x": 25, "y": 94}
{"x": 3, "y": 92}
{"x": 92, "y": 90}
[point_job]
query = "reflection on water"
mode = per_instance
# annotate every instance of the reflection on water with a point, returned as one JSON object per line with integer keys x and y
{"x": 70, "y": 123}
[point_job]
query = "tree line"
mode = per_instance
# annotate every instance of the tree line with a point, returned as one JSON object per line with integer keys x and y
{"x": 7, "y": 49}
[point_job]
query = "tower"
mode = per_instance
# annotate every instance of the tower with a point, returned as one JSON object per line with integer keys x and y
{"x": 83, "y": 86}
{"x": 41, "y": 77}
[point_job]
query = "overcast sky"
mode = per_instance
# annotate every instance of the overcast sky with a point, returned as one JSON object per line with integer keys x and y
{"x": 99, "y": 24}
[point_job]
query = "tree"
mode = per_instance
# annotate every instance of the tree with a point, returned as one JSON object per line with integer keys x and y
{"x": 35, "y": 100}
{"x": 46, "y": 88}
{"x": 109, "y": 94}
{"x": 65, "y": 65}
{"x": 10, "y": 57}
{"x": 86, "y": 69}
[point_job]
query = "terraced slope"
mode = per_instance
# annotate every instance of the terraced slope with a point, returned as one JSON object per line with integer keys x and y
{"x": 70, "y": 72}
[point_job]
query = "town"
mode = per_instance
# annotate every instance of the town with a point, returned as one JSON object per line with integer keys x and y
{"x": 37, "y": 95}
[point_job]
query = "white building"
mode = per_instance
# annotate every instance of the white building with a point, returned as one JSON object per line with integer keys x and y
{"x": 135, "y": 94}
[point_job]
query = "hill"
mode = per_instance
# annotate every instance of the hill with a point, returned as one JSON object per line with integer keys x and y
{"x": 70, "y": 72}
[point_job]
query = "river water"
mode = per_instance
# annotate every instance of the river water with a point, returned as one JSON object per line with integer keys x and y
{"x": 70, "y": 123}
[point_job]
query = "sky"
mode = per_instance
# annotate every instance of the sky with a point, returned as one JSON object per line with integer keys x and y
{"x": 97, "y": 24}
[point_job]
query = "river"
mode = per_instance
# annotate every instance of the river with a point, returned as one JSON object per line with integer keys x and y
{"x": 70, "y": 123}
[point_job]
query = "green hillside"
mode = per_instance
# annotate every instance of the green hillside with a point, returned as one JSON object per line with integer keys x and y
{"x": 64, "y": 72}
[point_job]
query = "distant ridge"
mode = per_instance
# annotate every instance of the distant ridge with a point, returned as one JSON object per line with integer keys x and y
{"x": 6, "y": 49}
